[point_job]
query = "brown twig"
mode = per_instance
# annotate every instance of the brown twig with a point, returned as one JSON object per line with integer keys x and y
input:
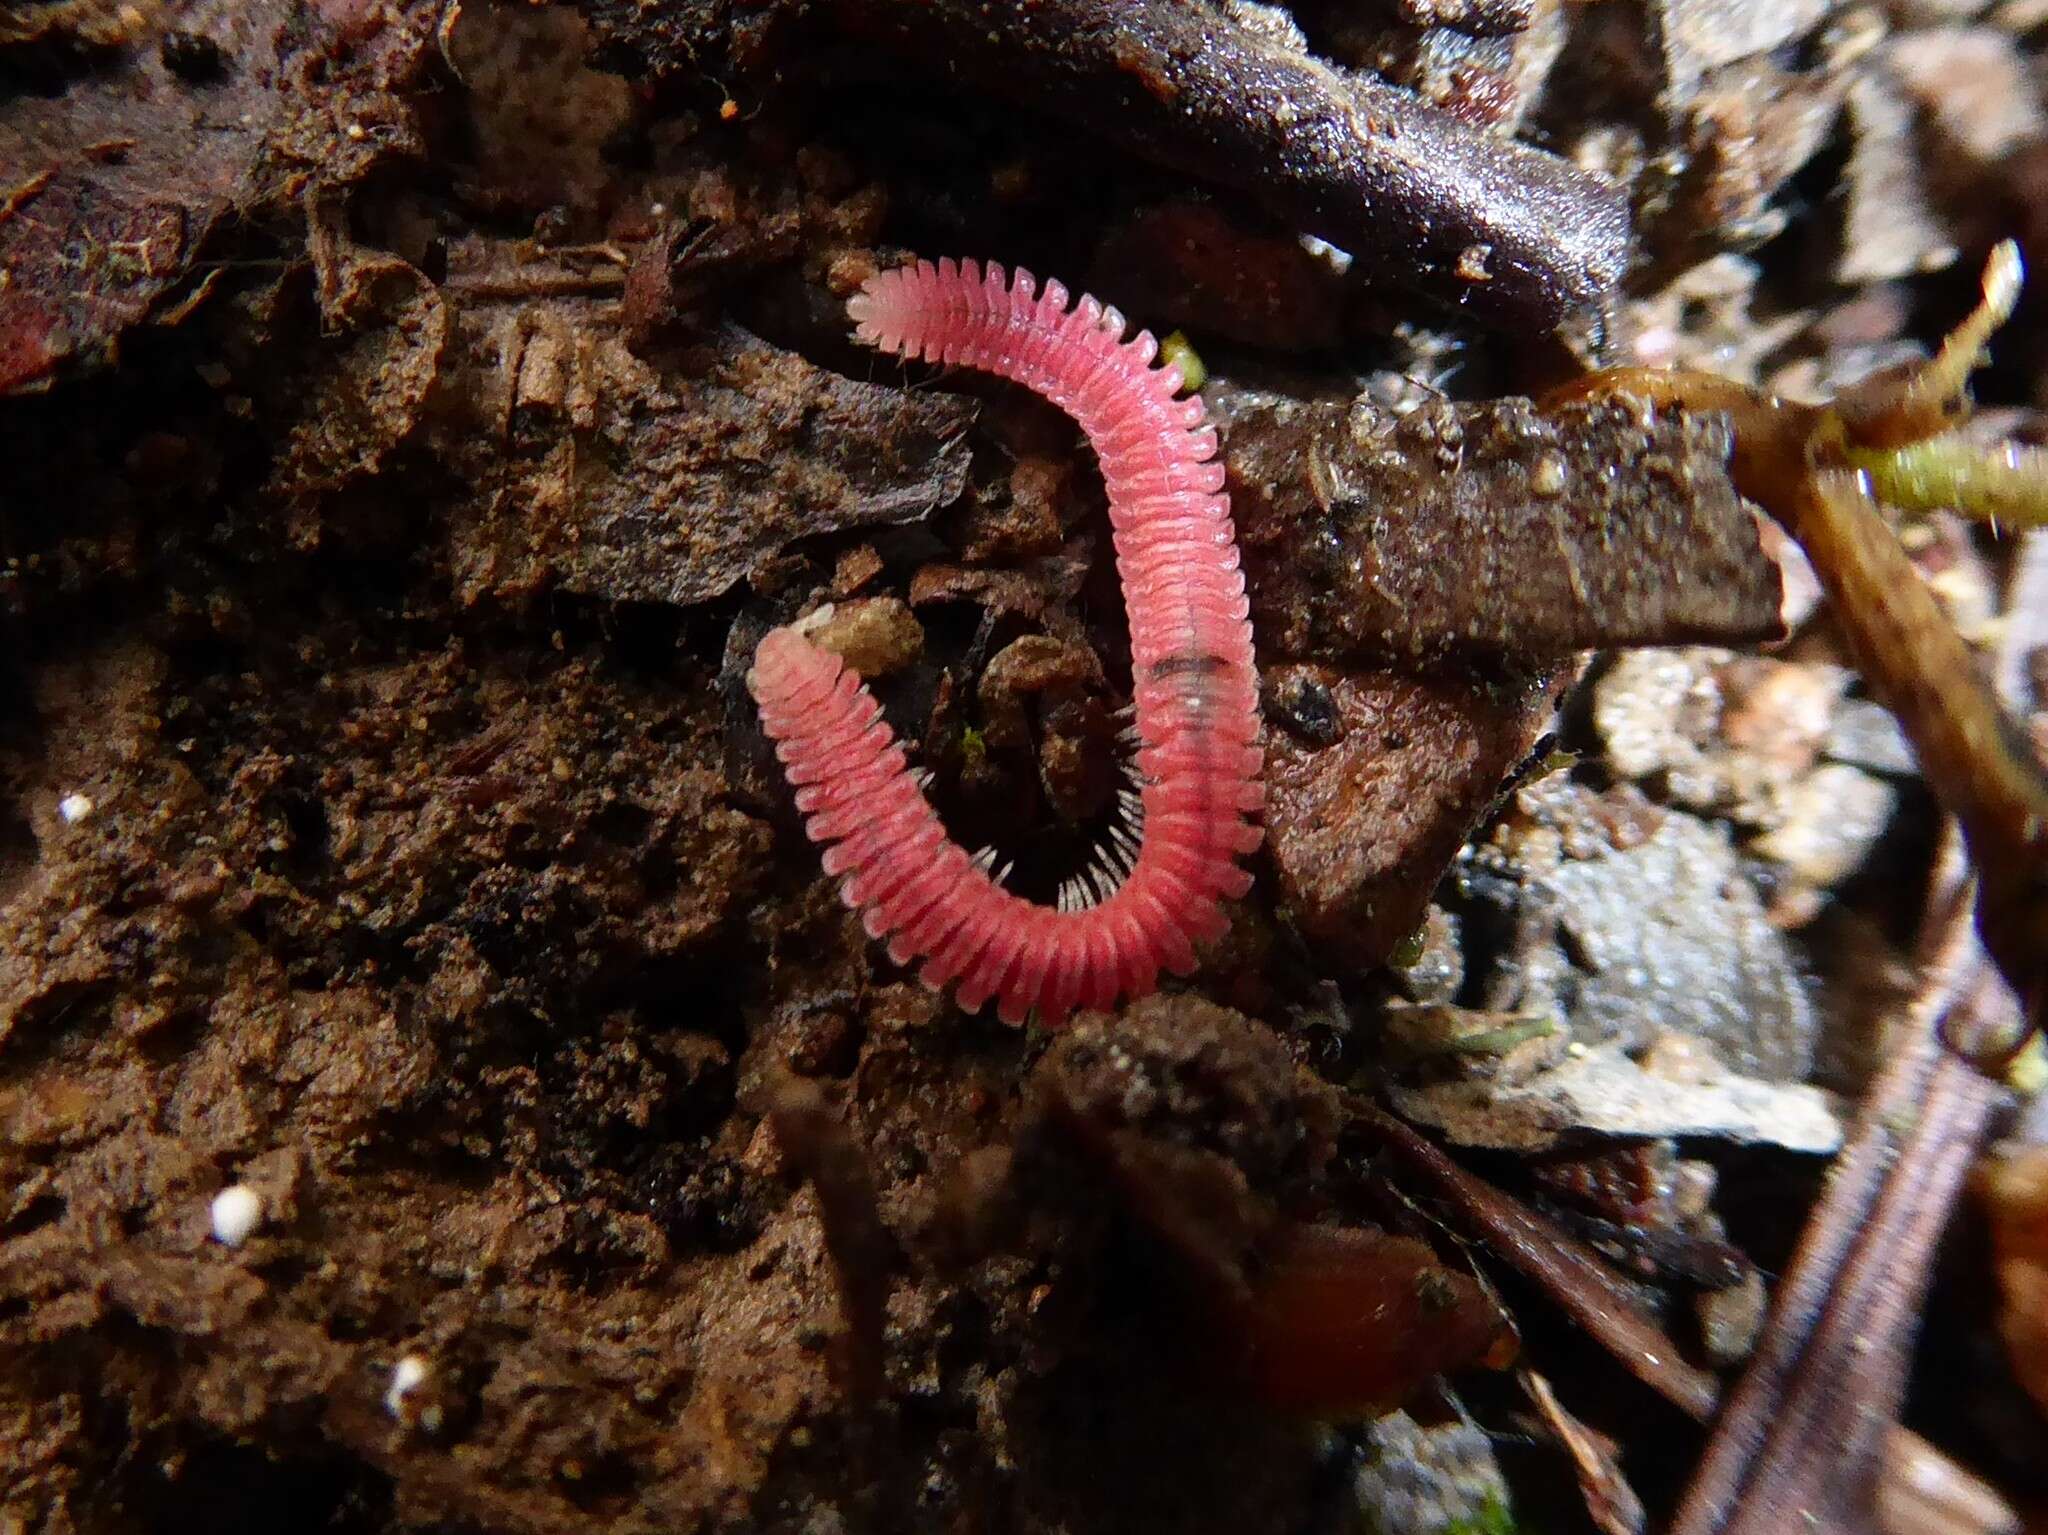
{"x": 1811, "y": 467}
{"x": 1510, "y": 234}
{"x": 1973, "y": 756}
{"x": 1805, "y": 1430}
{"x": 1567, "y": 1271}
{"x": 863, "y": 1252}
{"x": 1610, "y": 1501}
{"x": 601, "y": 283}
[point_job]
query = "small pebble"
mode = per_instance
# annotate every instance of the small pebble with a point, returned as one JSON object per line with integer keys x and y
{"x": 1323, "y": 250}
{"x": 407, "y": 1376}
{"x": 1413, "y": 1480}
{"x": 237, "y": 1212}
{"x": 874, "y": 635}
{"x": 74, "y": 808}
{"x": 1832, "y": 820}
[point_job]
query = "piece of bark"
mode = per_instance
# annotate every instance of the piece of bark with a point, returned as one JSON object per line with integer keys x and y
{"x": 1486, "y": 528}
{"x": 595, "y": 472}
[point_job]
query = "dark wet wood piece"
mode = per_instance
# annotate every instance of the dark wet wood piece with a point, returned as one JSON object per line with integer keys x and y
{"x": 1490, "y": 529}
{"x": 1509, "y": 234}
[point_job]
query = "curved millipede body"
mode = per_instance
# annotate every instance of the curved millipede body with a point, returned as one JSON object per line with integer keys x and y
{"x": 1196, "y": 767}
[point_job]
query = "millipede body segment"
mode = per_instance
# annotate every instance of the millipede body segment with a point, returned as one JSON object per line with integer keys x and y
{"x": 1159, "y": 887}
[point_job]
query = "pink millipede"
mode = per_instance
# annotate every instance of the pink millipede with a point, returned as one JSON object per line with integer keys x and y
{"x": 1198, "y": 756}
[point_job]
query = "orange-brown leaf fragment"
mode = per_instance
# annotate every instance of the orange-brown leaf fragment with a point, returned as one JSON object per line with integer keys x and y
{"x": 1343, "y": 1322}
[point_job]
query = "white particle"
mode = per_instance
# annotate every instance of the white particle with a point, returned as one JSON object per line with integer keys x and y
{"x": 237, "y": 1212}
{"x": 74, "y": 808}
{"x": 1339, "y": 260}
{"x": 814, "y": 620}
{"x": 407, "y": 1376}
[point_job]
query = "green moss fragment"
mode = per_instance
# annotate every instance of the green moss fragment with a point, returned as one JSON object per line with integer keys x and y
{"x": 1494, "y": 1518}
{"x": 1179, "y": 352}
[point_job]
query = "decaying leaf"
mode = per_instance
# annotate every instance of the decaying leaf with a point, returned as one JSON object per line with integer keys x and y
{"x": 1374, "y": 779}
{"x": 1343, "y": 1322}
{"x": 109, "y": 188}
{"x": 1312, "y": 1317}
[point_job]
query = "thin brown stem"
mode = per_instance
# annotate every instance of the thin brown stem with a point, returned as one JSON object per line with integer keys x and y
{"x": 1799, "y": 1444}
{"x": 1580, "y": 1283}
